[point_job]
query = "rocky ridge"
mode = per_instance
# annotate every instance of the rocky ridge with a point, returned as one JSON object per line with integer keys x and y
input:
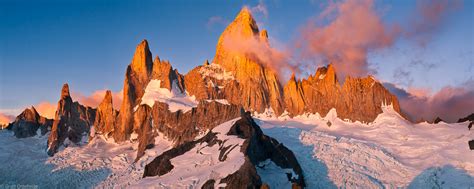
{"x": 256, "y": 148}
{"x": 28, "y": 122}
{"x": 72, "y": 121}
{"x": 257, "y": 86}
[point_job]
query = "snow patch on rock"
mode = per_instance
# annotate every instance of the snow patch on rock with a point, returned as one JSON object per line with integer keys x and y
{"x": 274, "y": 175}
{"x": 222, "y": 101}
{"x": 176, "y": 99}
{"x": 202, "y": 163}
{"x": 216, "y": 71}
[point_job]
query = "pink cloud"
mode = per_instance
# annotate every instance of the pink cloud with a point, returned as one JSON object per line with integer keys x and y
{"x": 46, "y": 109}
{"x": 260, "y": 8}
{"x": 345, "y": 32}
{"x": 5, "y": 119}
{"x": 96, "y": 98}
{"x": 450, "y": 103}
{"x": 258, "y": 49}
{"x": 428, "y": 18}
{"x": 354, "y": 30}
{"x": 216, "y": 20}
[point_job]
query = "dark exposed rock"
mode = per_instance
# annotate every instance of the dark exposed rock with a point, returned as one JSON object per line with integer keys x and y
{"x": 209, "y": 184}
{"x": 471, "y": 144}
{"x": 245, "y": 177}
{"x": 470, "y": 125}
{"x": 437, "y": 120}
{"x": 177, "y": 126}
{"x": 143, "y": 127}
{"x": 137, "y": 77}
{"x": 257, "y": 147}
{"x": 139, "y": 73}
{"x": 28, "y": 122}
{"x": 182, "y": 126}
{"x": 162, "y": 164}
{"x": 72, "y": 121}
{"x": 467, "y": 118}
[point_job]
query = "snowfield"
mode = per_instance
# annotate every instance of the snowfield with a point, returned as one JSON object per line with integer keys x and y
{"x": 101, "y": 163}
{"x": 388, "y": 153}
{"x": 200, "y": 164}
{"x": 176, "y": 99}
{"x": 333, "y": 153}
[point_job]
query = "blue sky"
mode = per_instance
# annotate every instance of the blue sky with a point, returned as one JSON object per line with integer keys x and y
{"x": 88, "y": 44}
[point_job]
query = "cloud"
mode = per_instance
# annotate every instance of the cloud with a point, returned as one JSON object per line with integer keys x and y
{"x": 94, "y": 99}
{"x": 346, "y": 32}
{"x": 428, "y": 18}
{"x": 5, "y": 119}
{"x": 450, "y": 103}
{"x": 216, "y": 20}
{"x": 355, "y": 28}
{"x": 46, "y": 109}
{"x": 260, "y": 8}
{"x": 258, "y": 49}
{"x": 403, "y": 76}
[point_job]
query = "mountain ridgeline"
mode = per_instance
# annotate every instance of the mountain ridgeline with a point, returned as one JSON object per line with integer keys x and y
{"x": 230, "y": 87}
{"x": 244, "y": 81}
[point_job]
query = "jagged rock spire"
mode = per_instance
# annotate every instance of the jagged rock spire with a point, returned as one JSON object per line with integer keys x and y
{"x": 105, "y": 117}
{"x": 65, "y": 91}
{"x": 142, "y": 59}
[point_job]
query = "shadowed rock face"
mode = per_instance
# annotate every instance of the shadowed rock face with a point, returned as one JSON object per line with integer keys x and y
{"x": 257, "y": 147}
{"x": 28, "y": 122}
{"x": 179, "y": 127}
{"x": 467, "y": 118}
{"x": 105, "y": 118}
{"x": 72, "y": 121}
{"x": 140, "y": 71}
{"x": 437, "y": 120}
{"x": 137, "y": 77}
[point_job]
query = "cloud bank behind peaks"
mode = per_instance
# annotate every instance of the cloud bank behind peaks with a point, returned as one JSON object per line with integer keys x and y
{"x": 449, "y": 103}
{"x": 353, "y": 30}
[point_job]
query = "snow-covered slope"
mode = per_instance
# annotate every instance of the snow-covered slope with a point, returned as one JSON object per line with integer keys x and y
{"x": 390, "y": 152}
{"x": 100, "y": 163}
{"x": 202, "y": 163}
{"x": 176, "y": 99}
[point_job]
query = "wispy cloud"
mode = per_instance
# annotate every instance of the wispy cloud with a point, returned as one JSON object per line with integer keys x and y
{"x": 48, "y": 109}
{"x": 260, "y": 8}
{"x": 5, "y": 119}
{"x": 94, "y": 99}
{"x": 450, "y": 103}
{"x": 216, "y": 20}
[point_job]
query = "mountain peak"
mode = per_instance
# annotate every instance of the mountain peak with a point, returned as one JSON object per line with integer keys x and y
{"x": 244, "y": 24}
{"x": 245, "y": 12}
{"x": 293, "y": 77}
{"x": 142, "y": 59}
{"x": 65, "y": 91}
{"x": 107, "y": 97}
